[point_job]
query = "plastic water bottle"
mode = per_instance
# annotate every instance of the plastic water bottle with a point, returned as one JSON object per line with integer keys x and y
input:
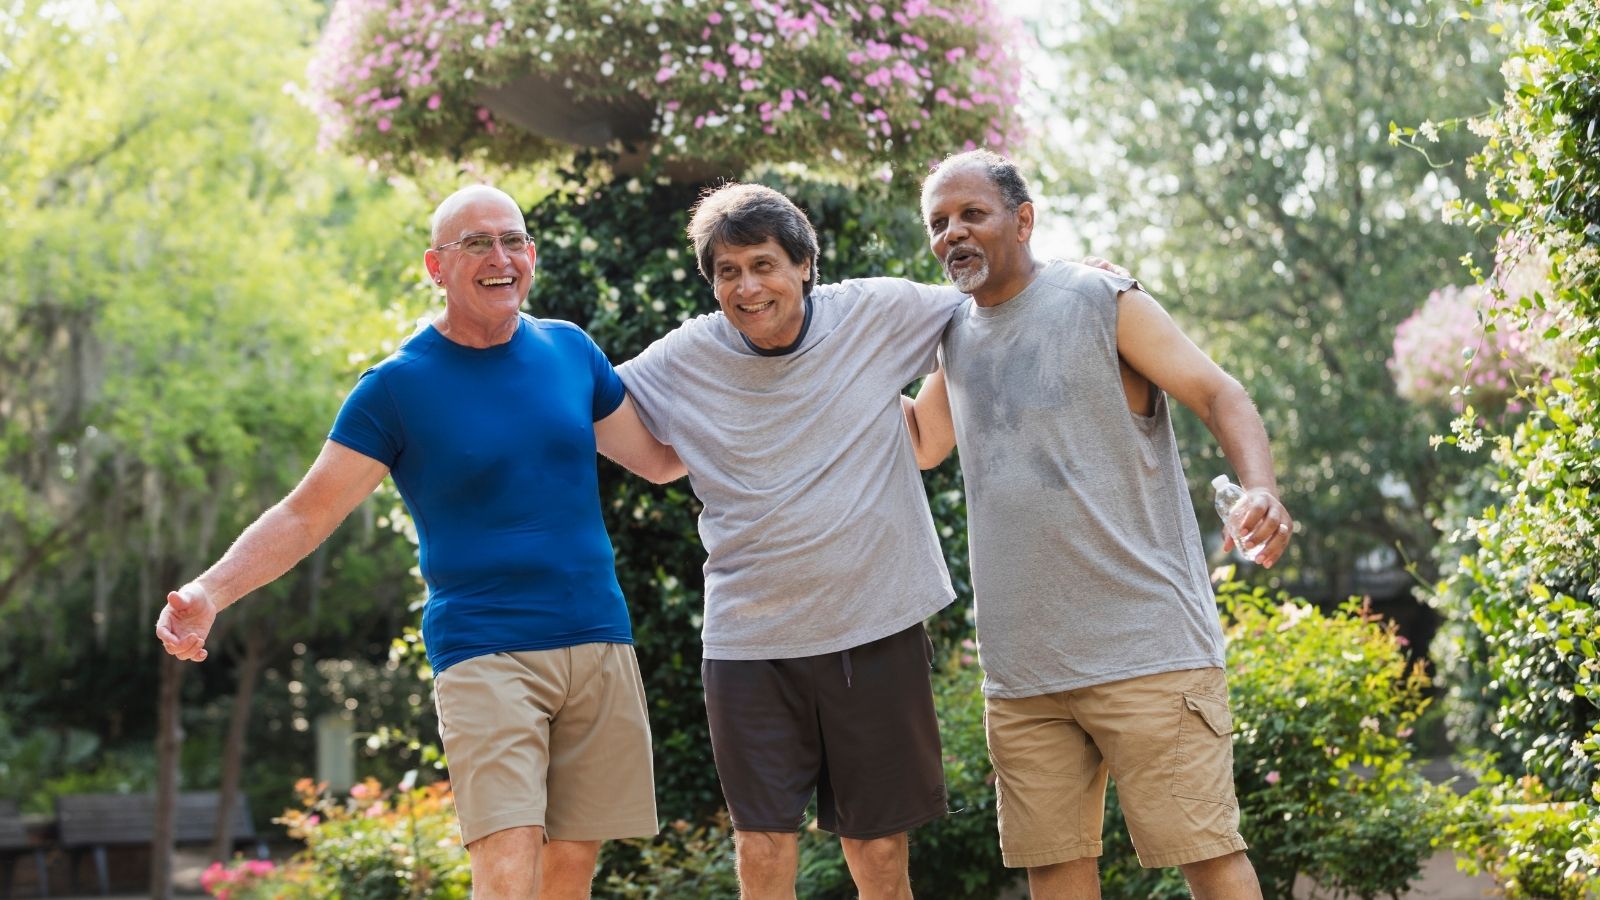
{"x": 1229, "y": 496}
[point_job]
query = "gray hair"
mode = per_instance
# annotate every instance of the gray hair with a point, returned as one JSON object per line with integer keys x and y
{"x": 1001, "y": 172}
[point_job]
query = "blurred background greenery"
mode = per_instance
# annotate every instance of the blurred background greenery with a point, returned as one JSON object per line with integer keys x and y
{"x": 1379, "y": 216}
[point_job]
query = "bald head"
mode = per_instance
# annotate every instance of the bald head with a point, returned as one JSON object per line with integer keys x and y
{"x": 476, "y": 196}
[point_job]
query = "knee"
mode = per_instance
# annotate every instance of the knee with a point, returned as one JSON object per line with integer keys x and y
{"x": 1229, "y": 877}
{"x": 883, "y": 856}
{"x": 879, "y": 864}
{"x": 763, "y": 855}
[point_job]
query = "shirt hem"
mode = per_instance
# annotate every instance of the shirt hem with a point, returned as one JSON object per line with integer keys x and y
{"x": 851, "y": 641}
{"x": 448, "y": 660}
{"x": 1072, "y": 684}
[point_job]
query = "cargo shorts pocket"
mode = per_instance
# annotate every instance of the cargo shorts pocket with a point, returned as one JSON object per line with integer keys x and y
{"x": 1203, "y": 769}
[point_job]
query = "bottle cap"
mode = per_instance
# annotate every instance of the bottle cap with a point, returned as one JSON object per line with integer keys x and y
{"x": 1219, "y": 481}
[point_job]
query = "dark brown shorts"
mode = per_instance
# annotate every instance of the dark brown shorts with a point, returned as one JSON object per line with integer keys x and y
{"x": 856, "y": 726}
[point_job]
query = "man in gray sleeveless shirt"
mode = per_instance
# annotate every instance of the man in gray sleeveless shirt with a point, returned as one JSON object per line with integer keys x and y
{"x": 822, "y": 560}
{"x": 1097, "y": 628}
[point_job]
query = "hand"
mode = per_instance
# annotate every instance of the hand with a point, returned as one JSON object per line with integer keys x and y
{"x": 1113, "y": 268}
{"x": 1263, "y": 522}
{"x": 185, "y": 621}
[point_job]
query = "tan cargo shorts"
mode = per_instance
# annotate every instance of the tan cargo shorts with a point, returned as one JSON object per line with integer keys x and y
{"x": 1167, "y": 739}
{"x": 558, "y": 738}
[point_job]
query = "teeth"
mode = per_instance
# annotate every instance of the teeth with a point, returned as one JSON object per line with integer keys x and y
{"x": 757, "y": 308}
{"x": 494, "y": 282}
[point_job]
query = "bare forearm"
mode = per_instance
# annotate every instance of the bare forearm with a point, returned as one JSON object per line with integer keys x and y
{"x": 933, "y": 432}
{"x": 270, "y": 547}
{"x": 1237, "y": 426}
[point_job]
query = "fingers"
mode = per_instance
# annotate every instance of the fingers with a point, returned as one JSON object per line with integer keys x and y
{"x": 1266, "y": 524}
{"x": 190, "y": 647}
{"x": 1101, "y": 263}
{"x": 182, "y": 626}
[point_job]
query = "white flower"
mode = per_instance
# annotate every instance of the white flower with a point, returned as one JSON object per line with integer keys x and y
{"x": 588, "y": 245}
{"x": 1429, "y": 132}
{"x": 678, "y": 275}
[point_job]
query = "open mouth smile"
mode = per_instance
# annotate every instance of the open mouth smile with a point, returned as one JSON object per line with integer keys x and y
{"x": 752, "y": 308}
{"x": 499, "y": 281}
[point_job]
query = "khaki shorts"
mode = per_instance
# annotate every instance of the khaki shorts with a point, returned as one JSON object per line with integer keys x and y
{"x": 557, "y": 738}
{"x": 1167, "y": 739}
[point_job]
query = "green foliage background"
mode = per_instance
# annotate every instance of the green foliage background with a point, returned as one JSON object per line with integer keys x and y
{"x": 1525, "y": 586}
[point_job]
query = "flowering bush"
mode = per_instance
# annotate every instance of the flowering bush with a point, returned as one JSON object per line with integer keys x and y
{"x": 236, "y": 880}
{"x": 369, "y": 844}
{"x": 854, "y": 87}
{"x": 1527, "y": 587}
{"x": 1442, "y": 353}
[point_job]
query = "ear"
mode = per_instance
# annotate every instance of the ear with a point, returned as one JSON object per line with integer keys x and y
{"x": 430, "y": 261}
{"x": 1024, "y": 222}
{"x": 806, "y": 275}
{"x": 533, "y": 256}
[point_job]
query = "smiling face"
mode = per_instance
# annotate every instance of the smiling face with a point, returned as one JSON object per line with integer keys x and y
{"x": 481, "y": 292}
{"x": 982, "y": 244}
{"x": 761, "y": 291}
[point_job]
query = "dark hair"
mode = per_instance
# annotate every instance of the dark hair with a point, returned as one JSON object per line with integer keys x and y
{"x": 743, "y": 215}
{"x": 1001, "y": 172}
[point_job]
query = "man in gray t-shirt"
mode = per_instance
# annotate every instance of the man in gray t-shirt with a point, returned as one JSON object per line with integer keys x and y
{"x": 822, "y": 560}
{"x": 1097, "y": 628}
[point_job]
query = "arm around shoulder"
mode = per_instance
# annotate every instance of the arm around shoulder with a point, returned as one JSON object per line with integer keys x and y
{"x": 622, "y": 438}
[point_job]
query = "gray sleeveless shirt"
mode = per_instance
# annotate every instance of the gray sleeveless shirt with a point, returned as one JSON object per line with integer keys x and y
{"x": 1087, "y": 565}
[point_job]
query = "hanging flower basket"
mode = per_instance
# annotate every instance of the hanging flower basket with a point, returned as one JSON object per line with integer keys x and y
{"x": 855, "y": 89}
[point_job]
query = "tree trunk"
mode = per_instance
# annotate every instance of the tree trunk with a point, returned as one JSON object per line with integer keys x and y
{"x": 169, "y": 740}
{"x": 233, "y": 750}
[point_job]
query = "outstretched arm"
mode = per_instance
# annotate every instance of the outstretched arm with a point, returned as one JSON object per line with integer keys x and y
{"x": 339, "y": 479}
{"x": 622, "y": 438}
{"x": 1154, "y": 347}
{"x": 933, "y": 432}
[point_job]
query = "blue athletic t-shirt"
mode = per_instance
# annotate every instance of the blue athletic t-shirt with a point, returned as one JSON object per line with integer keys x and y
{"x": 493, "y": 451}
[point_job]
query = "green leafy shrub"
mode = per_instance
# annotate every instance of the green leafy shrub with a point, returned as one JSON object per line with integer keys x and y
{"x": 1528, "y": 579}
{"x": 959, "y": 856}
{"x": 1513, "y": 830}
{"x": 1323, "y": 705}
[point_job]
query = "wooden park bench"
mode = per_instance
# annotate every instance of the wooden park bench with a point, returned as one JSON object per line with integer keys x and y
{"x": 94, "y": 822}
{"x": 14, "y": 842}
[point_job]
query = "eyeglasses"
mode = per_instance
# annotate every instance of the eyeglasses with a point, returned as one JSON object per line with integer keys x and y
{"x": 514, "y": 242}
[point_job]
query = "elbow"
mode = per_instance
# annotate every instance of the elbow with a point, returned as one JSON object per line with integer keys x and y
{"x": 929, "y": 457}
{"x": 665, "y": 470}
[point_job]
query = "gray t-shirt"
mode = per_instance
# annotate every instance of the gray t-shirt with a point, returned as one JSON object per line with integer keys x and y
{"x": 1087, "y": 565}
{"x": 816, "y": 528}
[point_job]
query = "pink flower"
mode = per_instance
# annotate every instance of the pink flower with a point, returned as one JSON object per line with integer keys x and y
{"x": 434, "y": 101}
{"x": 663, "y": 74}
{"x": 715, "y": 18}
{"x": 384, "y": 124}
{"x": 1273, "y": 777}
